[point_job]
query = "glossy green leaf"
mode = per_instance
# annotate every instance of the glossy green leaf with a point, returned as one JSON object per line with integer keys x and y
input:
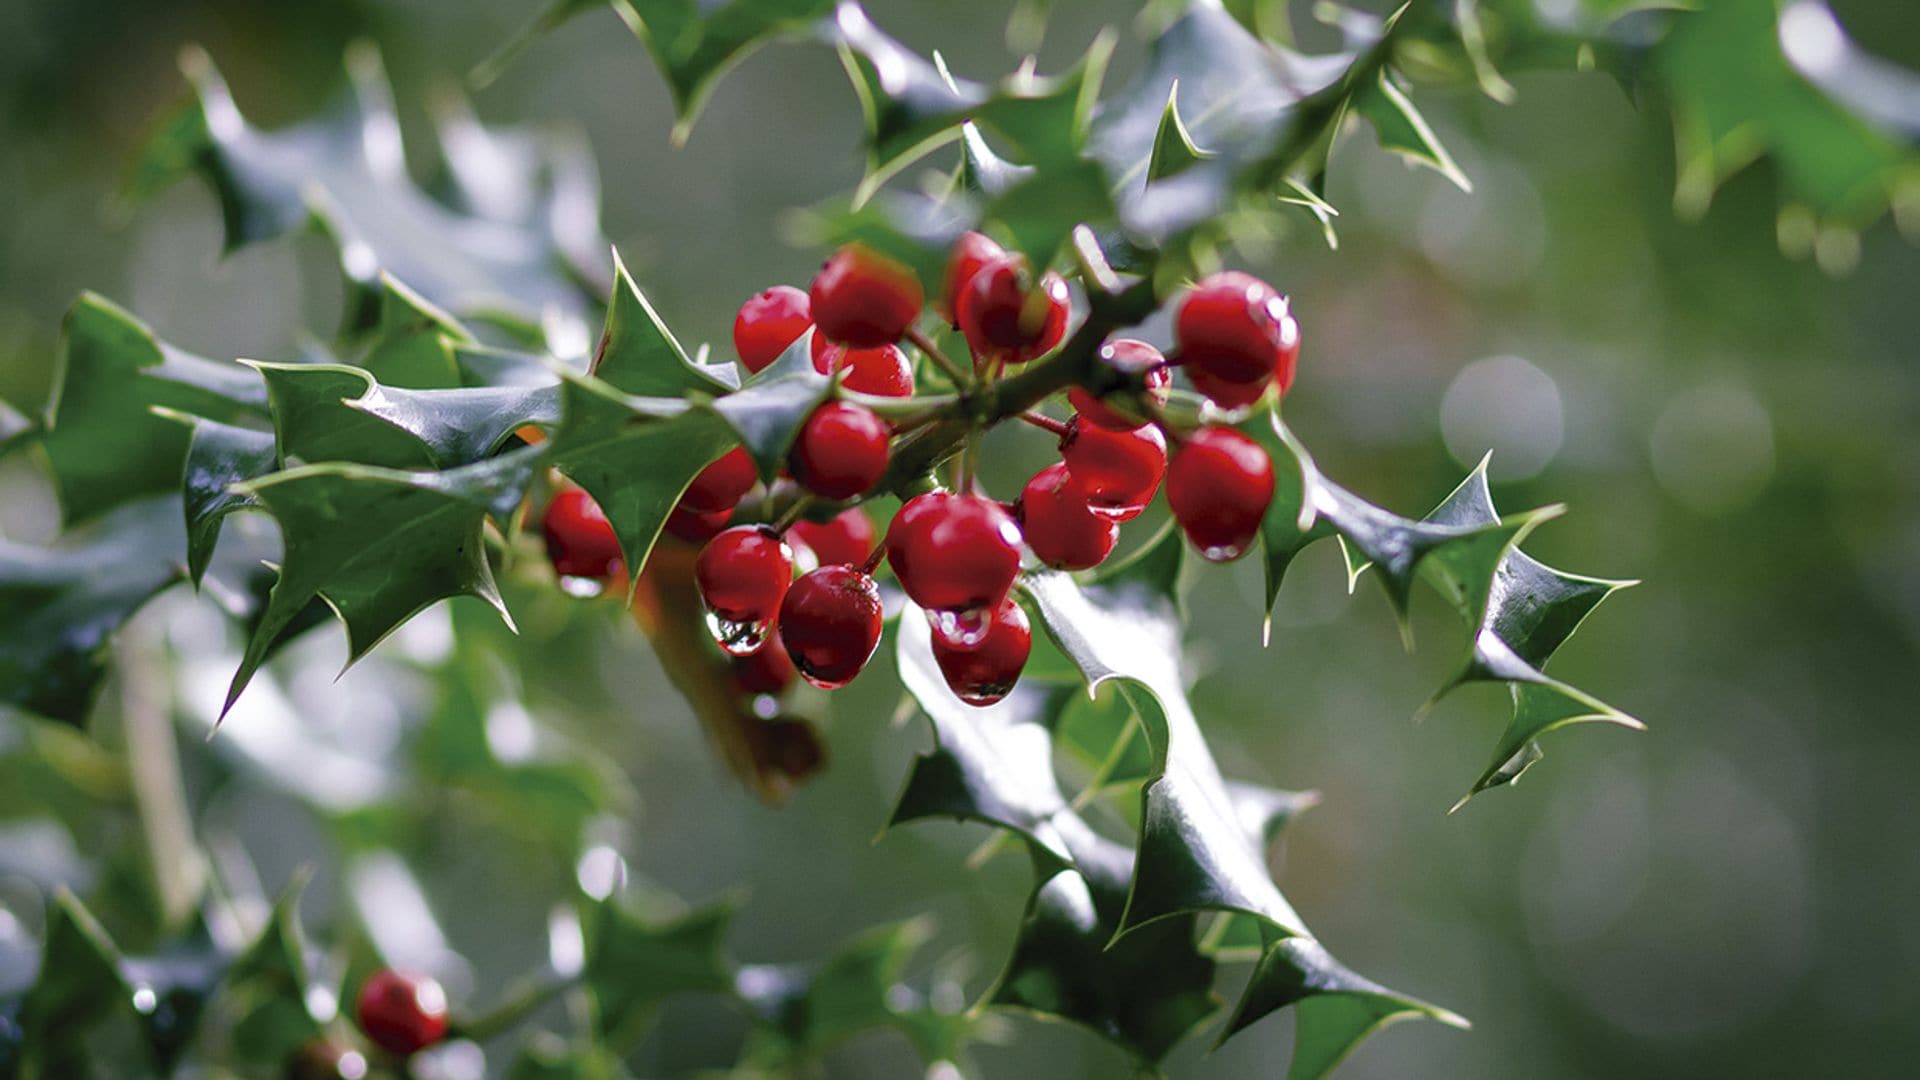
{"x": 633, "y": 964}
{"x": 78, "y": 986}
{"x": 1173, "y": 147}
{"x": 219, "y": 457}
{"x": 378, "y": 545}
{"x": 313, "y": 422}
{"x": 63, "y": 604}
{"x": 1400, "y": 128}
{"x": 103, "y": 443}
{"x": 172, "y": 990}
{"x": 695, "y": 43}
{"x": 639, "y": 355}
{"x": 345, "y": 173}
{"x": 268, "y": 986}
{"x": 465, "y": 425}
{"x": 634, "y": 456}
{"x": 768, "y": 411}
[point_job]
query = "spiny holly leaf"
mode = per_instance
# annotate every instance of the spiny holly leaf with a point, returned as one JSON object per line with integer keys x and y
{"x": 378, "y": 545}
{"x": 346, "y": 173}
{"x": 1335, "y": 1009}
{"x": 1522, "y": 611}
{"x": 101, "y": 439}
{"x": 1401, "y": 129}
{"x": 802, "y": 1011}
{"x": 402, "y": 339}
{"x": 219, "y": 457}
{"x": 1173, "y": 147}
{"x": 464, "y": 425}
{"x": 79, "y": 985}
{"x": 313, "y": 423}
{"x": 913, "y": 105}
{"x": 1281, "y": 537}
{"x": 639, "y": 355}
{"x": 634, "y": 455}
{"x": 982, "y": 171}
{"x": 268, "y": 986}
{"x": 171, "y": 991}
{"x": 633, "y": 964}
{"x": 64, "y": 603}
{"x": 1144, "y": 991}
{"x": 1197, "y": 850}
{"x": 768, "y": 411}
{"x": 695, "y": 44}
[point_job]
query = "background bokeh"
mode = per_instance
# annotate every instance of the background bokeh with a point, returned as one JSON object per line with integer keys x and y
{"x": 1726, "y": 895}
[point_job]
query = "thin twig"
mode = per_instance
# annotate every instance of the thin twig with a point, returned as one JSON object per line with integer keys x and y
{"x": 959, "y": 375}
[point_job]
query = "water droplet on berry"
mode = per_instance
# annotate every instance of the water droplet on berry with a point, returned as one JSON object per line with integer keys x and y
{"x": 1114, "y": 513}
{"x": 582, "y": 588}
{"x": 1223, "y": 552}
{"x": 739, "y": 638}
{"x": 961, "y": 628}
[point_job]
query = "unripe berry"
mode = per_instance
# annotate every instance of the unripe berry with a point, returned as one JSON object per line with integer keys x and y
{"x": 766, "y": 670}
{"x": 971, "y": 252}
{"x": 1004, "y": 313}
{"x": 846, "y": 539}
{"x": 830, "y": 623}
{"x": 580, "y": 541}
{"x": 1059, "y": 528}
{"x": 864, "y": 299}
{"x": 841, "y": 450}
{"x": 985, "y": 674}
{"x": 1139, "y": 363}
{"x": 743, "y": 574}
{"x": 884, "y": 371}
{"x": 955, "y": 554}
{"x": 720, "y": 485}
{"x": 1116, "y": 472}
{"x": 695, "y": 527}
{"x": 768, "y": 323}
{"x": 1219, "y": 487}
{"x": 402, "y": 1013}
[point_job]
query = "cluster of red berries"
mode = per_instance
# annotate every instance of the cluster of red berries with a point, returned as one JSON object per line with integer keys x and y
{"x": 957, "y": 554}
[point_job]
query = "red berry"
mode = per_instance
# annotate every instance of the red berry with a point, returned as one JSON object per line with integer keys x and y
{"x": 986, "y": 673}
{"x": 830, "y": 623}
{"x": 863, "y": 299}
{"x": 1219, "y": 487}
{"x": 845, "y": 540}
{"x": 720, "y": 485}
{"x": 580, "y": 542}
{"x": 695, "y": 527}
{"x": 954, "y": 553}
{"x": 768, "y": 323}
{"x": 841, "y": 450}
{"x": 1116, "y": 472}
{"x": 1005, "y": 314}
{"x": 1225, "y": 392}
{"x": 766, "y": 670}
{"x": 1235, "y": 333}
{"x": 1060, "y": 529}
{"x": 971, "y": 252}
{"x": 882, "y": 372}
{"x": 743, "y": 573}
{"x": 1140, "y": 363}
{"x": 402, "y": 1013}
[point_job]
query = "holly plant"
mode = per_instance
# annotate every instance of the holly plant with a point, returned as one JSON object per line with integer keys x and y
{"x": 504, "y": 420}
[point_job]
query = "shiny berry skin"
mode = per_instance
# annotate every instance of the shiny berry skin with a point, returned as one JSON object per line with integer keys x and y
{"x": 695, "y": 527}
{"x": 983, "y": 675}
{"x": 1059, "y": 528}
{"x": 971, "y": 252}
{"x": 743, "y": 573}
{"x": 841, "y": 450}
{"x": 580, "y": 542}
{"x": 1002, "y": 317}
{"x": 720, "y": 485}
{"x": 1227, "y": 393}
{"x": 845, "y": 540}
{"x": 830, "y": 623}
{"x": 883, "y": 372}
{"x": 1139, "y": 363}
{"x": 954, "y": 552}
{"x": 402, "y": 1013}
{"x": 864, "y": 299}
{"x": 1116, "y": 472}
{"x": 768, "y": 323}
{"x": 766, "y": 670}
{"x": 1235, "y": 324}
{"x": 1219, "y": 486}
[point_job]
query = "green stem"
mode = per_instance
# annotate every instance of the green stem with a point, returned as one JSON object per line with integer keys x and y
{"x": 153, "y": 771}
{"x": 529, "y": 999}
{"x": 940, "y": 359}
